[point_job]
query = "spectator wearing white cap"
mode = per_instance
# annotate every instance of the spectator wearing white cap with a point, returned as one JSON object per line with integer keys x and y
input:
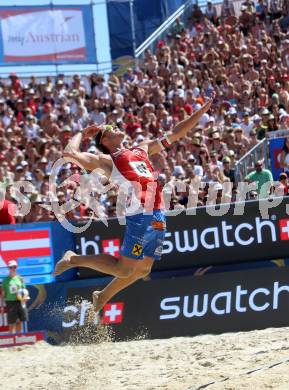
{"x": 197, "y": 169}
{"x": 257, "y": 121}
{"x": 234, "y": 116}
{"x": 31, "y": 128}
{"x": 204, "y": 120}
{"x": 284, "y": 121}
{"x": 16, "y": 309}
{"x": 178, "y": 171}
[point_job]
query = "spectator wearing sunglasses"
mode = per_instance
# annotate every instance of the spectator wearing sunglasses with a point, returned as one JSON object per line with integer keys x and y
{"x": 263, "y": 179}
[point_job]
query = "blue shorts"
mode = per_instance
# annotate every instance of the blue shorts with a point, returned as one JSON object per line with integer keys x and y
{"x": 141, "y": 239}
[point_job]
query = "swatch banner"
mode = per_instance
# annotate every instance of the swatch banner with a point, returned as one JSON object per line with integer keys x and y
{"x": 45, "y": 35}
{"x": 241, "y": 232}
{"x": 188, "y": 306}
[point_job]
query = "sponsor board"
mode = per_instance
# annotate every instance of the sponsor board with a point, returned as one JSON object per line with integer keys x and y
{"x": 188, "y": 306}
{"x": 44, "y": 34}
{"x": 205, "y": 240}
{"x": 13, "y": 340}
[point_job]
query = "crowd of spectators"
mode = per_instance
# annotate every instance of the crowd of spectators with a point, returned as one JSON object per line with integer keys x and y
{"x": 244, "y": 59}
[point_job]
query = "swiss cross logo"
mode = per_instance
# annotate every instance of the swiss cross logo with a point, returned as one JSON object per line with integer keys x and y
{"x": 111, "y": 247}
{"x": 112, "y": 313}
{"x": 284, "y": 229}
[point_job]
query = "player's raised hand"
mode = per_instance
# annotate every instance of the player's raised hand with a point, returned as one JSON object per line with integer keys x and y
{"x": 90, "y": 131}
{"x": 208, "y": 104}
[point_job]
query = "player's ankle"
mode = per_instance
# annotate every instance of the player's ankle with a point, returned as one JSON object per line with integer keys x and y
{"x": 101, "y": 301}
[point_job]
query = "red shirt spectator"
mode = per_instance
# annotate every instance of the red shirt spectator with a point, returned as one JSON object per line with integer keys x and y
{"x": 131, "y": 125}
{"x": 7, "y": 207}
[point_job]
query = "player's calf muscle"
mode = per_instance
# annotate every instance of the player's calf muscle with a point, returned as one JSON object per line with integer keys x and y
{"x": 125, "y": 271}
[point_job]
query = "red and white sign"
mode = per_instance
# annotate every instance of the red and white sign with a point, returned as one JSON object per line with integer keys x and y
{"x": 15, "y": 245}
{"x": 43, "y": 35}
{"x": 13, "y": 340}
{"x": 112, "y": 313}
{"x": 111, "y": 246}
{"x": 284, "y": 229}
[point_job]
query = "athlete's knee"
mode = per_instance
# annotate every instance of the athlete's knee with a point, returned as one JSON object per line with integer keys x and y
{"x": 143, "y": 272}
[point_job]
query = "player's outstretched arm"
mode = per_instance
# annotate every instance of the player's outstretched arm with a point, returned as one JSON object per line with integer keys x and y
{"x": 180, "y": 130}
{"x": 85, "y": 160}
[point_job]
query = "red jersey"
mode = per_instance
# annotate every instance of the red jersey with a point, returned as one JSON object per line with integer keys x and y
{"x": 133, "y": 166}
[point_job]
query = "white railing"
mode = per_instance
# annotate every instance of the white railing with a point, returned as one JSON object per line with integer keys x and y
{"x": 247, "y": 163}
{"x": 183, "y": 13}
{"x": 149, "y": 43}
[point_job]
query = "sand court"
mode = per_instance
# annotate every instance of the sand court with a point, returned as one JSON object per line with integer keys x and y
{"x": 181, "y": 363}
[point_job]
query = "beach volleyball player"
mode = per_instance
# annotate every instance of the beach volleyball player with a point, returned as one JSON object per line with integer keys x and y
{"x": 145, "y": 228}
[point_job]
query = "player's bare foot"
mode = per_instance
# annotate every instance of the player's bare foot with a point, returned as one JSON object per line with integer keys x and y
{"x": 97, "y": 305}
{"x": 64, "y": 264}
{"x": 97, "y": 301}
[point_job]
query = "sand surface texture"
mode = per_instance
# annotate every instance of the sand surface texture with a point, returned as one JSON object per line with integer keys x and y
{"x": 173, "y": 364}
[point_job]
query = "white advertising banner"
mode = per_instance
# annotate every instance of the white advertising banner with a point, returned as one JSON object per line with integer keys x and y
{"x": 44, "y": 35}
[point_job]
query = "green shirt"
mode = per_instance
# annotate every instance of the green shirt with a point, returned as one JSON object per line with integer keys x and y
{"x": 178, "y": 27}
{"x": 265, "y": 176}
{"x": 11, "y": 285}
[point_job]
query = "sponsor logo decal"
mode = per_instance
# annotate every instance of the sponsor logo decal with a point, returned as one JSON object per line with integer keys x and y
{"x": 137, "y": 250}
{"x": 224, "y": 235}
{"x": 238, "y": 300}
{"x": 77, "y": 315}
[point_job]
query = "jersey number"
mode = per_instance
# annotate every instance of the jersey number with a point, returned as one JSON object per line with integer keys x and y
{"x": 141, "y": 168}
